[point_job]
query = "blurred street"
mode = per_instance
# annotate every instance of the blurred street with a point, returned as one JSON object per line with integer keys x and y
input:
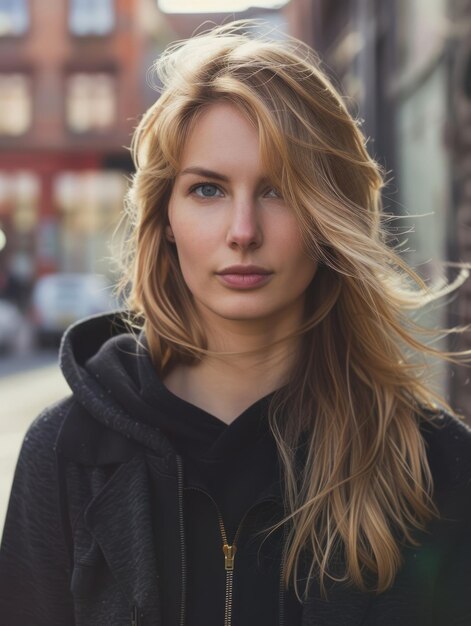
{"x": 28, "y": 383}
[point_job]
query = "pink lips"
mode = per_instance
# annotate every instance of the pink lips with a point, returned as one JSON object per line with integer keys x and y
{"x": 244, "y": 276}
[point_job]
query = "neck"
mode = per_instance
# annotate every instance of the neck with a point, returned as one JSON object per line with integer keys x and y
{"x": 226, "y": 384}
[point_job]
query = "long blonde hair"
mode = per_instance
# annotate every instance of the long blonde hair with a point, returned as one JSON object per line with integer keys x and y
{"x": 359, "y": 388}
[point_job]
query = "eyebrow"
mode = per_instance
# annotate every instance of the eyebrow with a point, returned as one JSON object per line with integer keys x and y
{"x": 202, "y": 171}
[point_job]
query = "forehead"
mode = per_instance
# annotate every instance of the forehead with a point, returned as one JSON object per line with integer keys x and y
{"x": 222, "y": 138}
{"x": 223, "y": 135}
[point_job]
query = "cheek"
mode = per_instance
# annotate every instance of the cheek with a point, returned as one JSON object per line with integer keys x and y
{"x": 303, "y": 271}
{"x": 289, "y": 242}
{"x": 196, "y": 234}
{"x": 301, "y": 267}
{"x": 194, "y": 246}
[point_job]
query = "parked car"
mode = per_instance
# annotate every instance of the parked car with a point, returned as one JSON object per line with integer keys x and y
{"x": 11, "y": 325}
{"x": 58, "y": 300}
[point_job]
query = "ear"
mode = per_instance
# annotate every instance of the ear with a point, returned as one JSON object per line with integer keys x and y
{"x": 169, "y": 233}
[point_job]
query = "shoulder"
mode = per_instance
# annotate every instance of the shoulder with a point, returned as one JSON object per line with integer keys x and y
{"x": 448, "y": 446}
{"x": 67, "y": 431}
{"x": 39, "y": 442}
{"x": 44, "y": 429}
{"x": 34, "y": 490}
{"x": 440, "y": 427}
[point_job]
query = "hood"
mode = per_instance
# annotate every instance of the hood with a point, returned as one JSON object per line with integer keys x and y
{"x": 115, "y": 385}
{"x": 97, "y": 357}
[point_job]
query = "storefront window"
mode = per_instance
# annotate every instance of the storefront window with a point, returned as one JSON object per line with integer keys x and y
{"x": 19, "y": 211}
{"x": 91, "y": 17}
{"x": 89, "y": 207}
{"x": 15, "y": 104}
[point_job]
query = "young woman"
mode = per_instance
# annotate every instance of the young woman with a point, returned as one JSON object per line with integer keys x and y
{"x": 254, "y": 440}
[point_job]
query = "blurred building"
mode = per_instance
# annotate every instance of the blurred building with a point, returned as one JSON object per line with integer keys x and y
{"x": 390, "y": 59}
{"x": 405, "y": 66}
{"x": 459, "y": 143}
{"x": 72, "y": 86}
{"x": 186, "y": 25}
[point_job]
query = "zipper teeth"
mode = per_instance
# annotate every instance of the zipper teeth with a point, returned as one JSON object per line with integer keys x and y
{"x": 281, "y": 605}
{"x": 229, "y": 572}
{"x": 228, "y": 603}
{"x": 182, "y": 538}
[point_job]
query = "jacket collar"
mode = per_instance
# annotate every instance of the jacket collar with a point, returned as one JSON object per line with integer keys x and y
{"x": 119, "y": 520}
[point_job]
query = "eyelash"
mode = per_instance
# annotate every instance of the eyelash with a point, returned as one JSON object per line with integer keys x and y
{"x": 193, "y": 188}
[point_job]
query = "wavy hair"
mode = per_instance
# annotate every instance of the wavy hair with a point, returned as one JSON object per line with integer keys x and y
{"x": 357, "y": 394}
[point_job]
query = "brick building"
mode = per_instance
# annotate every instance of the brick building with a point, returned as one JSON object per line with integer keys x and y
{"x": 72, "y": 85}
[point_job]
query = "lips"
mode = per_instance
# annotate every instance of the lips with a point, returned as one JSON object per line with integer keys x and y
{"x": 244, "y": 270}
{"x": 244, "y": 276}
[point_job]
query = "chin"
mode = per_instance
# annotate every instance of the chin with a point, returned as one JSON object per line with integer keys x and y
{"x": 244, "y": 317}
{"x": 243, "y": 313}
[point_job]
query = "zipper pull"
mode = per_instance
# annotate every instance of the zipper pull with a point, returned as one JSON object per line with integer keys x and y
{"x": 229, "y": 553}
{"x": 134, "y": 616}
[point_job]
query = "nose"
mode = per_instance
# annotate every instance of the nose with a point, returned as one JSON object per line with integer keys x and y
{"x": 244, "y": 230}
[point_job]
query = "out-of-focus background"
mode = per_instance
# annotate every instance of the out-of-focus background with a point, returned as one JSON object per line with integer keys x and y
{"x": 72, "y": 88}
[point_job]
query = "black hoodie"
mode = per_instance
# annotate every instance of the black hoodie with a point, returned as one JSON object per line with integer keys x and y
{"x": 123, "y": 492}
{"x": 232, "y": 487}
{"x": 206, "y": 483}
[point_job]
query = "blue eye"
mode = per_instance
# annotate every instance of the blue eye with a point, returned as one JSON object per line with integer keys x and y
{"x": 208, "y": 190}
{"x": 276, "y": 193}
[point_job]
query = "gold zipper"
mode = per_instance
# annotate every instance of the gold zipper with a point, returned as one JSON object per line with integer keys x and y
{"x": 229, "y": 551}
{"x": 229, "y": 555}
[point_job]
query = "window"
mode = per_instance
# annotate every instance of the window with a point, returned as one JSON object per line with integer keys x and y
{"x": 19, "y": 198}
{"x": 89, "y": 207}
{"x": 19, "y": 211}
{"x": 91, "y": 17}
{"x": 14, "y": 18}
{"x": 90, "y": 102}
{"x": 15, "y": 104}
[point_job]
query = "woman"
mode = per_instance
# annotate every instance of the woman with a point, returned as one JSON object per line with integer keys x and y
{"x": 255, "y": 441}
